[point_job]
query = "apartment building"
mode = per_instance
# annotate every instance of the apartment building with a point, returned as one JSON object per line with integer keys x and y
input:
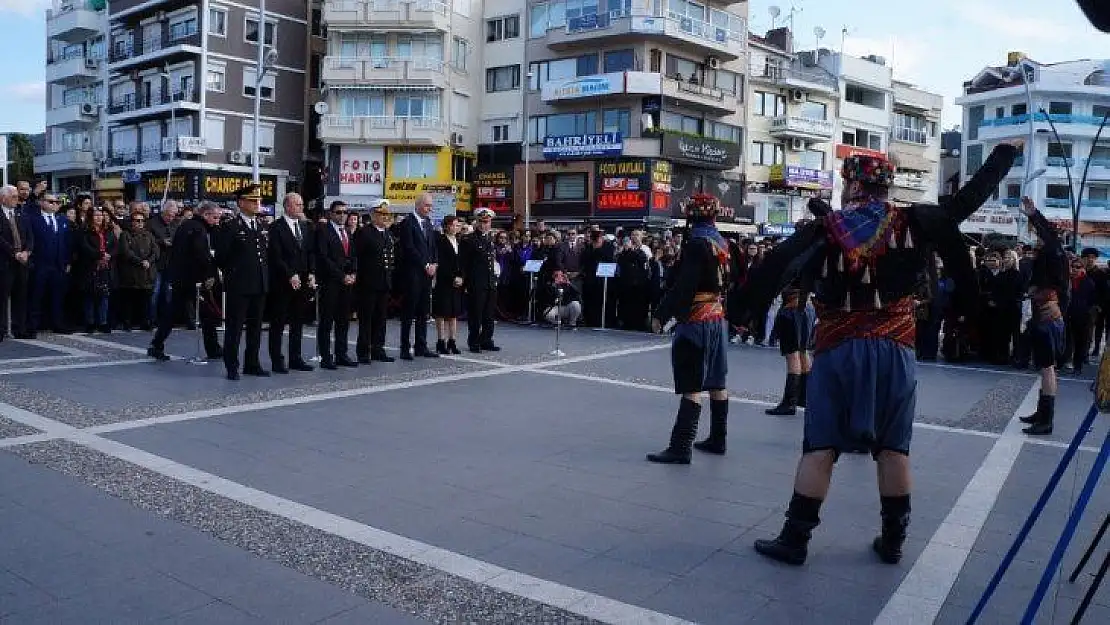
{"x": 792, "y": 111}
{"x": 403, "y": 84}
{"x": 1065, "y": 107}
{"x": 75, "y": 73}
{"x": 630, "y": 106}
{"x": 915, "y": 144}
{"x": 178, "y": 106}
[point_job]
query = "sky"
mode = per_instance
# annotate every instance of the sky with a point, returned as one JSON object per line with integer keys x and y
{"x": 936, "y": 45}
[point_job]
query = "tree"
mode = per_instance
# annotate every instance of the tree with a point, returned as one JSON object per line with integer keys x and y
{"x": 21, "y": 156}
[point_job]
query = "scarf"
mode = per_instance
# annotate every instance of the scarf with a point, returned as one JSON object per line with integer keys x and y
{"x": 102, "y": 246}
{"x": 709, "y": 232}
{"x": 862, "y": 230}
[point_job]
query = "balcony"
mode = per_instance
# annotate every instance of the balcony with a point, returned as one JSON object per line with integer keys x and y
{"x": 385, "y": 71}
{"x": 797, "y": 127}
{"x": 385, "y": 130}
{"x": 701, "y": 97}
{"x": 173, "y": 43}
{"x": 73, "y": 21}
{"x": 388, "y": 15}
{"x": 1051, "y": 202}
{"x": 80, "y": 160}
{"x": 132, "y": 106}
{"x": 1012, "y": 202}
{"x": 725, "y": 43}
{"x": 1082, "y": 126}
{"x": 73, "y": 69}
{"x": 798, "y": 77}
{"x": 73, "y": 114}
{"x": 184, "y": 145}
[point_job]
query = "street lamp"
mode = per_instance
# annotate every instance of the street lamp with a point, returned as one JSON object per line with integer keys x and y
{"x": 266, "y": 61}
{"x": 173, "y": 127}
{"x": 1028, "y": 153}
{"x": 1071, "y": 185}
{"x": 526, "y": 128}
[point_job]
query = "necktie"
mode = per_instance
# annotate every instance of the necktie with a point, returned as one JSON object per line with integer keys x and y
{"x": 343, "y": 238}
{"x": 297, "y": 230}
{"x": 53, "y": 224}
{"x": 16, "y": 241}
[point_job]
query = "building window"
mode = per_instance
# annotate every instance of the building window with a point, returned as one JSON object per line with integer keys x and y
{"x": 1058, "y": 150}
{"x": 1059, "y": 108}
{"x": 1099, "y": 194}
{"x": 865, "y": 97}
{"x": 267, "y": 88}
{"x": 724, "y": 132}
{"x": 681, "y": 123}
{"x": 1100, "y": 110}
{"x": 214, "y": 132}
{"x": 505, "y": 78}
{"x": 250, "y": 30}
{"x": 620, "y": 61}
{"x": 813, "y": 159}
{"x": 769, "y": 104}
{"x": 1019, "y": 109}
{"x": 359, "y": 103}
{"x": 1057, "y": 192}
{"x": 862, "y": 139}
{"x": 616, "y": 120}
{"x": 764, "y": 153}
{"x": 814, "y": 110}
{"x": 500, "y": 133}
{"x": 974, "y": 158}
{"x": 416, "y": 106}
{"x": 216, "y": 78}
{"x": 975, "y": 117}
{"x": 563, "y": 187}
{"x": 265, "y": 137}
{"x": 460, "y": 50}
{"x": 460, "y": 168}
{"x": 567, "y": 124}
{"x": 413, "y": 164}
{"x": 217, "y": 21}
{"x": 910, "y": 129}
{"x": 502, "y": 28}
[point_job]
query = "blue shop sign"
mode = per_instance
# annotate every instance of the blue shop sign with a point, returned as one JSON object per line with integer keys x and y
{"x": 606, "y": 144}
{"x": 776, "y": 230}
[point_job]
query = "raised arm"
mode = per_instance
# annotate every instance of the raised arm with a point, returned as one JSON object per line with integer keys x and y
{"x": 983, "y": 184}
{"x": 942, "y": 234}
{"x": 778, "y": 269}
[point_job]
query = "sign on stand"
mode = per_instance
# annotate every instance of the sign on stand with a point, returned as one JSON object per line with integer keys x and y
{"x": 605, "y": 271}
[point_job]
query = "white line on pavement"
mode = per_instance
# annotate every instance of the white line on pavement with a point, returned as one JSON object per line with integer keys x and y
{"x": 55, "y": 347}
{"x": 72, "y": 366}
{"x": 926, "y": 587}
{"x": 31, "y": 359}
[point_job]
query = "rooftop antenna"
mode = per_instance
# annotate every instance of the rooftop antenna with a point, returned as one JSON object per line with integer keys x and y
{"x": 819, "y": 33}
{"x": 775, "y": 13}
{"x": 793, "y": 11}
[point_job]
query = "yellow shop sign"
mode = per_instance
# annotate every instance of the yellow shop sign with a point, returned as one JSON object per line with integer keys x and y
{"x": 402, "y": 192}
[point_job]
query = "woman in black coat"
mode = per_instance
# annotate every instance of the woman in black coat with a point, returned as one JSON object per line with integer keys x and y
{"x": 447, "y": 303}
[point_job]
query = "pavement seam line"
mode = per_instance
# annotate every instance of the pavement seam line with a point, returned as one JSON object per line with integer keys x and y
{"x": 580, "y": 602}
{"x": 926, "y": 587}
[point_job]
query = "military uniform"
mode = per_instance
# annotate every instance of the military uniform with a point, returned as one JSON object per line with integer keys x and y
{"x": 480, "y": 272}
{"x": 376, "y": 250}
{"x": 242, "y": 254}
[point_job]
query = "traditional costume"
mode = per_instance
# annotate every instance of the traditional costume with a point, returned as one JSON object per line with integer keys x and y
{"x": 698, "y": 355}
{"x": 864, "y": 262}
{"x": 794, "y": 324}
{"x": 1048, "y": 291}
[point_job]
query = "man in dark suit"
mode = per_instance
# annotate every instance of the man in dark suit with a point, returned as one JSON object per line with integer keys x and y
{"x": 242, "y": 254}
{"x": 480, "y": 271}
{"x": 336, "y": 265}
{"x": 292, "y": 281}
{"x": 50, "y": 262}
{"x": 416, "y": 268}
{"x": 16, "y": 242}
{"x": 375, "y": 248}
{"x": 191, "y": 263}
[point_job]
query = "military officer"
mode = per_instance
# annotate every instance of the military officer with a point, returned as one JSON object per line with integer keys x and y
{"x": 480, "y": 272}
{"x": 375, "y": 247}
{"x": 242, "y": 256}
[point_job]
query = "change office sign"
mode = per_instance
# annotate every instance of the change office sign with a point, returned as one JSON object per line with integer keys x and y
{"x": 583, "y": 146}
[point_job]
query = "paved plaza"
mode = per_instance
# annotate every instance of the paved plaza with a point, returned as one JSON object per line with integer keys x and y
{"x": 495, "y": 488}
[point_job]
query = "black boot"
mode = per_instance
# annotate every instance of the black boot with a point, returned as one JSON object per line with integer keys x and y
{"x": 788, "y": 406}
{"x": 802, "y": 390}
{"x": 896, "y": 518}
{"x": 682, "y": 435}
{"x": 441, "y": 347}
{"x": 1046, "y": 413}
{"x": 452, "y": 348}
{"x": 718, "y": 428}
{"x": 792, "y": 544}
{"x": 1033, "y": 418}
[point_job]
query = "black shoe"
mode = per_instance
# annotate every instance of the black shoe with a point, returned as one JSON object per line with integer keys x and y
{"x": 157, "y": 353}
{"x": 452, "y": 348}
{"x": 381, "y": 356}
{"x": 280, "y": 369}
{"x": 788, "y": 406}
{"x": 715, "y": 443}
{"x": 233, "y": 375}
{"x": 328, "y": 364}
{"x": 802, "y": 388}
{"x": 441, "y": 347}
{"x": 682, "y": 435}
{"x": 344, "y": 361}
{"x": 256, "y": 371}
{"x": 474, "y": 349}
{"x": 791, "y": 546}
{"x": 300, "y": 365}
{"x": 490, "y": 347}
{"x": 426, "y": 353}
{"x": 406, "y": 354}
{"x": 1043, "y": 404}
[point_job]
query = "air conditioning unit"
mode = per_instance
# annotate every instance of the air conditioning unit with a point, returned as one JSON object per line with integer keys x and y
{"x": 90, "y": 63}
{"x": 238, "y": 157}
{"x": 713, "y": 62}
{"x": 797, "y": 145}
{"x": 88, "y": 108}
{"x": 797, "y": 96}
{"x": 456, "y": 139}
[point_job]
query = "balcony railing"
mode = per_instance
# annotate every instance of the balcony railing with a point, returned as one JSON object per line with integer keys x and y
{"x": 724, "y": 33}
{"x": 381, "y": 68}
{"x": 122, "y": 158}
{"x": 123, "y": 50}
{"x": 414, "y": 12}
{"x": 134, "y": 102}
{"x": 796, "y": 124}
{"x": 910, "y": 135}
{"x": 1052, "y": 202}
{"x": 1017, "y": 120}
{"x": 796, "y": 73}
{"x": 1059, "y": 161}
{"x": 427, "y": 130}
{"x": 1013, "y": 202}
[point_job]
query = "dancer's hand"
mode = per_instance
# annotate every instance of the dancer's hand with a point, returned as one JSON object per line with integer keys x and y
{"x": 656, "y": 326}
{"x": 1028, "y": 207}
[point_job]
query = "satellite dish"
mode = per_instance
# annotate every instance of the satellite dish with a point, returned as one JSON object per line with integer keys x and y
{"x": 774, "y": 11}
{"x": 819, "y": 32}
{"x": 321, "y": 108}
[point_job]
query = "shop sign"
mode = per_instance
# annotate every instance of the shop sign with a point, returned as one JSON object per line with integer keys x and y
{"x": 687, "y": 182}
{"x": 801, "y": 177}
{"x": 701, "y": 151}
{"x": 623, "y": 185}
{"x": 845, "y": 151}
{"x": 661, "y": 188}
{"x": 493, "y": 189}
{"x": 583, "y": 87}
{"x": 361, "y": 170}
{"x": 182, "y": 185}
{"x": 402, "y": 193}
{"x": 776, "y": 230}
{"x": 606, "y": 144}
{"x": 991, "y": 219}
{"x": 221, "y": 186}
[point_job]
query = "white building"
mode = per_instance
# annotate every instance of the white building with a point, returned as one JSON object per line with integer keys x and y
{"x": 1072, "y": 97}
{"x": 75, "y": 72}
{"x": 792, "y": 111}
{"x": 403, "y": 84}
{"x": 915, "y": 143}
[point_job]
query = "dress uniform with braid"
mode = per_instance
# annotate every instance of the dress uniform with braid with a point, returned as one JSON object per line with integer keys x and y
{"x": 242, "y": 255}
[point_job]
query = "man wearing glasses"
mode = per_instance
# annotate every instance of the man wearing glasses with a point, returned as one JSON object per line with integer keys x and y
{"x": 51, "y": 262}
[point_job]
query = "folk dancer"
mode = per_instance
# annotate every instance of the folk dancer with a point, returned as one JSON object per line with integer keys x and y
{"x": 864, "y": 261}
{"x": 698, "y": 359}
{"x": 1045, "y": 330}
{"x": 794, "y": 327}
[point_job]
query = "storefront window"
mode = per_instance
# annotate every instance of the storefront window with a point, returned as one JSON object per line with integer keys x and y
{"x": 563, "y": 187}
{"x": 413, "y": 164}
